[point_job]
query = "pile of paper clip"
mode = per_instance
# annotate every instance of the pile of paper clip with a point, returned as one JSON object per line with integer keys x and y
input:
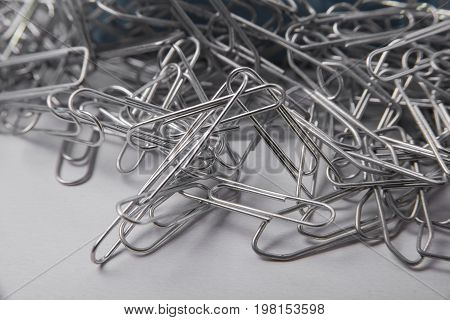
{"x": 362, "y": 89}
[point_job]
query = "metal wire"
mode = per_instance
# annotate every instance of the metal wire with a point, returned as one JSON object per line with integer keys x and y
{"x": 361, "y": 93}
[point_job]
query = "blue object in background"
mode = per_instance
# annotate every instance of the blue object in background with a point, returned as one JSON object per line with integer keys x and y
{"x": 323, "y": 5}
{"x": 101, "y": 37}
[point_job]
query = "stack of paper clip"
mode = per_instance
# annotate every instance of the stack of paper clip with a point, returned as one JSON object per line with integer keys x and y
{"x": 361, "y": 92}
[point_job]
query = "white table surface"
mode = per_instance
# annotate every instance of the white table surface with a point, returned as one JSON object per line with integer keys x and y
{"x": 47, "y": 230}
